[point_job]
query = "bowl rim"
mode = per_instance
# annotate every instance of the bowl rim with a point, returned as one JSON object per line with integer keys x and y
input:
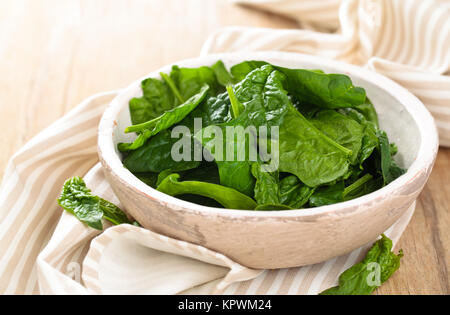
{"x": 425, "y": 157}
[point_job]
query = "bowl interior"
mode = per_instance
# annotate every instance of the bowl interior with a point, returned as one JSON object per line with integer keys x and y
{"x": 401, "y": 115}
{"x": 393, "y": 116}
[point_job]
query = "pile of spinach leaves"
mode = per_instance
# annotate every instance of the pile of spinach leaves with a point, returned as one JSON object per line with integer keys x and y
{"x": 330, "y": 146}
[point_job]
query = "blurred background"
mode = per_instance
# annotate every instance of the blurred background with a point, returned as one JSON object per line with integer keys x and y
{"x": 55, "y": 53}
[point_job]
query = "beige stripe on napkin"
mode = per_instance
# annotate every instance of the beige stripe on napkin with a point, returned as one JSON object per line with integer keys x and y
{"x": 31, "y": 184}
{"x": 405, "y": 40}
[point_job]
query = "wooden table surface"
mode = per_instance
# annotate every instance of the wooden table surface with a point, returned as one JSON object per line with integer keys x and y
{"x": 55, "y": 53}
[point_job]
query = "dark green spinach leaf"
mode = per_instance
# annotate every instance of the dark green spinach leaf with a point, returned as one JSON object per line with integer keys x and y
{"x": 166, "y": 120}
{"x": 228, "y": 197}
{"x": 389, "y": 169}
{"x": 375, "y": 269}
{"x": 155, "y": 156}
{"x": 78, "y": 200}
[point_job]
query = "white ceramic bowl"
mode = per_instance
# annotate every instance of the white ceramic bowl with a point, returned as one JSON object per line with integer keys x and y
{"x": 278, "y": 239}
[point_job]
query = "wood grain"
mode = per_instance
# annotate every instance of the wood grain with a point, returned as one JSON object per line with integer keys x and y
{"x": 55, "y": 53}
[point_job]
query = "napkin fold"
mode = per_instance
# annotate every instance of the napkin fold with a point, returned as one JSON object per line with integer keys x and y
{"x": 405, "y": 40}
{"x": 45, "y": 250}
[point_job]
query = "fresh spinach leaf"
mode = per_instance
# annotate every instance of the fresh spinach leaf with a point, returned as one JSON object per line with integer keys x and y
{"x": 222, "y": 74}
{"x": 215, "y": 110}
{"x": 166, "y": 120}
{"x": 236, "y": 106}
{"x": 78, "y": 200}
{"x": 368, "y": 111}
{"x": 370, "y": 139}
{"x": 155, "y": 156}
{"x": 327, "y": 195}
{"x": 228, "y": 197}
{"x": 206, "y": 172}
{"x": 375, "y": 269}
{"x": 266, "y": 186}
{"x": 345, "y": 131}
{"x": 294, "y": 193}
{"x": 172, "y": 87}
{"x": 389, "y": 169}
{"x": 356, "y": 185}
{"x": 157, "y": 98}
{"x": 308, "y": 153}
{"x": 329, "y": 91}
{"x": 189, "y": 81}
{"x": 241, "y": 70}
{"x": 262, "y": 102}
{"x": 362, "y": 187}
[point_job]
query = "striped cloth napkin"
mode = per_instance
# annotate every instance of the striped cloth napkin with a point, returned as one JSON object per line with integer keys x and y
{"x": 45, "y": 250}
{"x": 405, "y": 40}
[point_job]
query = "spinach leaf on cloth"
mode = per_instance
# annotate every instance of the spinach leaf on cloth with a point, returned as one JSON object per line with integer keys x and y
{"x": 78, "y": 200}
{"x": 375, "y": 269}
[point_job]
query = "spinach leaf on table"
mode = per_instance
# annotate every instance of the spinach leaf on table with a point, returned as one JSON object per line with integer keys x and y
{"x": 228, "y": 197}
{"x": 375, "y": 269}
{"x": 78, "y": 200}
